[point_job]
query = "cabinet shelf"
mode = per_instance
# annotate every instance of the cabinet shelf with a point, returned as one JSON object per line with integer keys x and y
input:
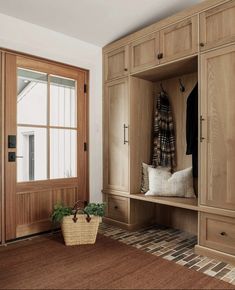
{"x": 187, "y": 203}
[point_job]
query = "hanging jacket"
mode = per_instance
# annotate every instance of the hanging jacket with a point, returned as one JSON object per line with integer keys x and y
{"x": 192, "y": 128}
{"x": 163, "y": 134}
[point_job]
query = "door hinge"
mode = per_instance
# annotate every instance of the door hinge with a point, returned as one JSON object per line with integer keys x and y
{"x": 85, "y": 146}
{"x": 85, "y": 88}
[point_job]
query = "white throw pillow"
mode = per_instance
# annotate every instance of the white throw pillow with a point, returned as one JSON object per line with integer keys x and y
{"x": 145, "y": 176}
{"x": 163, "y": 183}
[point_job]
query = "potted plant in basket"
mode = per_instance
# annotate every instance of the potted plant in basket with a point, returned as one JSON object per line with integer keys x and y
{"x": 79, "y": 224}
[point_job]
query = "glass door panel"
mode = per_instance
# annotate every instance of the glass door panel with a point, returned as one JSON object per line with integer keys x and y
{"x": 46, "y": 126}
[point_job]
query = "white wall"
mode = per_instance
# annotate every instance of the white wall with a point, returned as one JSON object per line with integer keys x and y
{"x": 29, "y": 38}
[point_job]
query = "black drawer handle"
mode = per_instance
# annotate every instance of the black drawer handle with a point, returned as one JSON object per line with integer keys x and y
{"x": 202, "y": 44}
{"x": 223, "y": 234}
{"x": 125, "y": 69}
{"x": 160, "y": 55}
{"x": 116, "y": 207}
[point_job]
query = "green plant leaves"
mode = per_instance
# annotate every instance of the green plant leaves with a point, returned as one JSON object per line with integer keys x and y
{"x": 59, "y": 211}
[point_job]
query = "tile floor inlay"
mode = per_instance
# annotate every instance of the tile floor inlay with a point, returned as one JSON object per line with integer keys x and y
{"x": 171, "y": 244}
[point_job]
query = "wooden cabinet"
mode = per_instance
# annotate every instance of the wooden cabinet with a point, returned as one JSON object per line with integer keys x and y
{"x": 116, "y": 63}
{"x": 217, "y": 127}
{"x": 217, "y": 26}
{"x": 144, "y": 52}
{"x": 179, "y": 40}
{"x": 117, "y": 208}
{"x": 217, "y": 232}
{"x": 116, "y": 125}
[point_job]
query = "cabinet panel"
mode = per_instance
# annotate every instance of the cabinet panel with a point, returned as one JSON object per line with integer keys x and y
{"x": 116, "y": 147}
{"x": 179, "y": 40}
{"x": 217, "y": 26}
{"x": 117, "y": 208}
{"x": 217, "y": 232}
{"x": 144, "y": 52}
{"x": 217, "y": 127}
{"x": 116, "y": 63}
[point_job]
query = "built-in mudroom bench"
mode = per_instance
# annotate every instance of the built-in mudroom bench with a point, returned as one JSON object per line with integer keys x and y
{"x": 192, "y": 49}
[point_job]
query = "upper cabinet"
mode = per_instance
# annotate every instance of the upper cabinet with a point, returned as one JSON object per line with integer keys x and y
{"x": 217, "y": 26}
{"x": 179, "y": 40}
{"x": 145, "y": 52}
{"x": 116, "y": 63}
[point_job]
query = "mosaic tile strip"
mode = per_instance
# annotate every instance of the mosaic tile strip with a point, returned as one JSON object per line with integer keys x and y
{"x": 173, "y": 245}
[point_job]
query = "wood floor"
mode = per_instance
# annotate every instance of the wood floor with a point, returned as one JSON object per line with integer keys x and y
{"x": 45, "y": 263}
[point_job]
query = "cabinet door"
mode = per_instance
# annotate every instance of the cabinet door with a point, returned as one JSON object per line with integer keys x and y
{"x": 144, "y": 52}
{"x": 217, "y": 127}
{"x": 116, "y": 147}
{"x": 116, "y": 63}
{"x": 179, "y": 40}
{"x": 217, "y": 26}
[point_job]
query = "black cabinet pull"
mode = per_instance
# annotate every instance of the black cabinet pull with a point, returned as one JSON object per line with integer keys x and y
{"x": 202, "y": 44}
{"x": 160, "y": 55}
{"x": 125, "y": 69}
{"x": 116, "y": 207}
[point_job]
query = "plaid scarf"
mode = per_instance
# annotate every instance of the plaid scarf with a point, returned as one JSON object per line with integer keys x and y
{"x": 163, "y": 133}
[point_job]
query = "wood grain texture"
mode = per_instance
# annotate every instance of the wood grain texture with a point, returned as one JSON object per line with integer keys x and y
{"x": 141, "y": 117}
{"x": 218, "y": 148}
{"x": 179, "y": 40}
{"x": 178, "y": 101}
{"x": 164, "y": 23}
{"x": 169, "y": 70}
{"x": 29, "y": 204}
{"x": 217, "y": 232}
{"x": 217, "y": 26}
{"x": 214, "y": 254}
{"x": 10, "y": 129}
{"x": 116, "y": 63}
{"x": 144, "y": 52}
{"x": 177, "y": 218}
{"x": 116, "y": 153}
{"x": 1, "y": 147}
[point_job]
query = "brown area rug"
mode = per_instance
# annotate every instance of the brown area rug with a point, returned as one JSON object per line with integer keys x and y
{"x": 45, "y": 263}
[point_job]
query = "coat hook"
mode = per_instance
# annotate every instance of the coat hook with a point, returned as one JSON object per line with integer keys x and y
{"x": 162, "y": 89}
{"x": 182, "y": 88}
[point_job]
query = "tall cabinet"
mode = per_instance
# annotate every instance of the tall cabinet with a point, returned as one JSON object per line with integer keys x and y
{"x": 200, "y": 41}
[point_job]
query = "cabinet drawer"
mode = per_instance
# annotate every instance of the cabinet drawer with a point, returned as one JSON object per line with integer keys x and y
{"x": 118, "y": 208}
{"x": 217, "y": 232}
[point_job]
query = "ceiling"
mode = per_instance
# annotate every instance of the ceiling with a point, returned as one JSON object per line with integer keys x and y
{"x": 95, "y": 21}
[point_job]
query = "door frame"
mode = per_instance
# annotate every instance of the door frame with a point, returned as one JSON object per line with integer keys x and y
{"x": 3, "y": 145}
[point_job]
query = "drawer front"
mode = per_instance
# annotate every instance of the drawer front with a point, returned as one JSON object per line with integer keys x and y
{"x": 217, "y": 232}
{"x": 118, "y": 208}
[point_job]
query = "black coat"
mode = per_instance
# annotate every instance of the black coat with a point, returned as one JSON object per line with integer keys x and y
{"x": 192, "y": 128}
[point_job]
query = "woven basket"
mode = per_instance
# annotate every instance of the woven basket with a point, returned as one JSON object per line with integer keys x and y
{"x": 80, "y": 232}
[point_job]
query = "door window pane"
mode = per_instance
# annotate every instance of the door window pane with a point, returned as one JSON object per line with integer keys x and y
{"x": 63, "y": 102}
{"x": 31, "y": 97}
{"x": 31, "y": 154}
{"x": 63, "y": 153}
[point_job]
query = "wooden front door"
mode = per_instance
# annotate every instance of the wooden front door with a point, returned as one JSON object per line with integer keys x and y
{"x": 45, "y": 132}
{"x": 217, "y": 128}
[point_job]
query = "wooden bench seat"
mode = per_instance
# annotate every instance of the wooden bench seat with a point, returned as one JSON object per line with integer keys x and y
{"x": 187, "y": 203}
